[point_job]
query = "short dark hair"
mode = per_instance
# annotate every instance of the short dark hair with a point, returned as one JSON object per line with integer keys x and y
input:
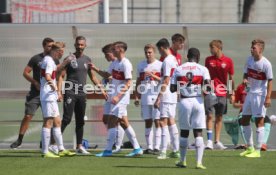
{"x": 46, "y": 41}
{"x": 107, "y": 48}
{"x": 193, "y": 54}
{"x": 177, "y": 37}
{"x": 80, "y": 38}
{"x": 163, "y": 43}
{"x": 121, "y": 44}
{"x": 260, "y": 42}
{"x": 217, "y": 43}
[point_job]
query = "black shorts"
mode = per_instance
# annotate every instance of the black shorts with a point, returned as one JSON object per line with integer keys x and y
{"x": 220, "y": 107}
{"x": 32, "y": 103}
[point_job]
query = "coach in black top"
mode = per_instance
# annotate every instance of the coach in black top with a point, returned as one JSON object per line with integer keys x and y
{"x": 32, "y": 102}
{"x": 75, "y": 97}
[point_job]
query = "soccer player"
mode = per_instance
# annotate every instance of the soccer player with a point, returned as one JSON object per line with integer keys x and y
{"x": 32, "y": 102}
{"x": 147, "y": 83}
{"x": 166, "y": 102}
{"x": 49, "y": 98}
{"x": 258, "y": 77}
{"x": 188, "y": 79}
{"x": 177, "y": 44}
{"x": 240, "y": 95}
{"x": 75, "y": 97}
{"x": 121, "y": 72}
{"x": 109, "y": 55}
{"x": 220, "y": 68}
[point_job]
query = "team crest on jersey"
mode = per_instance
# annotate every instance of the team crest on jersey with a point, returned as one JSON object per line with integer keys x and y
{"x": 69, "y": 100}
{"x": 85, "y": 65}
{"x": 223, "y": 65}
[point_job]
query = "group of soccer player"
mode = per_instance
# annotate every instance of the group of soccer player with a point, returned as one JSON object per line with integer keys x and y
{"x": 161, "y": 86}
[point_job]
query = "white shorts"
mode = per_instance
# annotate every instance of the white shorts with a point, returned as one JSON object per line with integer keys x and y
{"x": 118, "y": 110}
{"x": 149, "y": 112}
{"x": 167, "y": 110}
{"x": 254, "y": 105}
{"x": 107, "y": 107}
{"x": 49, "y": 109}
{"x": 191, "y": 113}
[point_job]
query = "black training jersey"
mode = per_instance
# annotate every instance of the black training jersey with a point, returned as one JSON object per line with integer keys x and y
{"x": 77, "y": 74}
{"x": 34, "y": 63}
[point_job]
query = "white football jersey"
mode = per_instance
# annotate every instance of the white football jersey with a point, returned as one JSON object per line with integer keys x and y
{"x": 149, "y": 86}
{"x": 258, "y": 72}
{"x": 190, "y": 77}
{"x": 169, "y": 65}
{"x": 48, "y": 66}
{"x": 120, "y": 71}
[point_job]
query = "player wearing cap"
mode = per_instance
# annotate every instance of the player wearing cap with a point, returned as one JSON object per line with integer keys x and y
{"x": 188, "y": 80}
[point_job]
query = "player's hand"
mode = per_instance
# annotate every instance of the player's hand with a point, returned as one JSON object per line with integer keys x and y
{"x": 136, "y": 102}
{"x": 105, "y": 95}
{"x": 267, "y": 102}
{"x": 245, "y": 81}
{"x": 60, "y": 97}
{"x": 115, "y": 100}
{"x": 157, "y": 103}
{"x": 92, "y": 66}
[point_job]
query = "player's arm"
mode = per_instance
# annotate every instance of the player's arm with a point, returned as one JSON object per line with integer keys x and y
{"x": 136, "y": 92}
{"x": 164, "y": 85}
{"x": 62, "y": 66}
{"x": 104, "y": 74}
{"x": 232, "y": 93}
{"x": 50, "y": 82}
{"x": 28, "y": 77}
{"x": 123, "y": 90}
{"x": 95, "y": 80}
{"x": 152, "y": 74}
{"x": 267, "y": 102}
{"x": 59, "y": 82}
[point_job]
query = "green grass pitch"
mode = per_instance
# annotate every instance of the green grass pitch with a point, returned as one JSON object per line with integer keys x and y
{"x": 217, "y": 162}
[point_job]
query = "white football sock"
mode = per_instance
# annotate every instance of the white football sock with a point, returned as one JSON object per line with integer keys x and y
{"x": 111, "y": 136}
{"x": 260, "y": 133}
{"x": 58, "y": 137}
{"x": 183, "y": 148}
{"x": 199, "y": 143}
{"x": 174, "y": 137}
{"x": 45, "y": 135}
{"x": 149, "y": 138}
{"x": 132, "y": 137}
{"x": 157, "y": 138}
{"x": 164, "y": 139}
{"x": 120, "y": 137}
{"x": 248, "y": 135}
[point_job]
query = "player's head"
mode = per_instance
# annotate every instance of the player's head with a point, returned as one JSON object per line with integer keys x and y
{"x": 119, "y": 47}
{"x": 108, "y": 52}
{"x": 47, "y": 45}
{"x": 178, "y": 41}
{"x": 80, "y": 44}
{"x": 150, "y": 50}
{"x": 57, "y": 50}
{"x": 215, "y": 46}
{"x": 193, "y": 55}
{"x": 162, "y": 45}
{"x": 257, "y": 47}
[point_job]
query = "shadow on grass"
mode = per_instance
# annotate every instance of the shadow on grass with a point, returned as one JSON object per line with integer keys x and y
{"x": 139, "y": 166}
